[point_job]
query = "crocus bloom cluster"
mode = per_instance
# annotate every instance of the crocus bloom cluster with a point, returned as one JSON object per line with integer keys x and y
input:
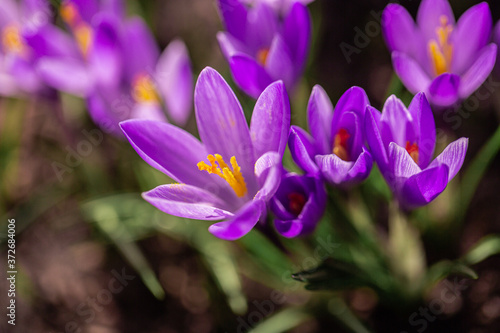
{"x": 115, "y": 63}
{"x": 233, "y": 172}
{"x": 402, "y": 142}
{"x": 261, "y": 47}
{"x": 446, "y": 60}
{"x": 336, "y": 151}
{"x": 17, "y": 71}
{"x": 298, "y": 205}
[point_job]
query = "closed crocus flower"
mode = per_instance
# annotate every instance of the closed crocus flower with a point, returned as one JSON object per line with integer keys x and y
{"x": 402, "y": 142}
{"x": 446, "y": 60}
{"x": 233, "y": 172}
{"x": 298, "y": 205}
{"x": 336, "y": 150}
{"x": 261, "y": 46}
{"x": 18, "y": 74}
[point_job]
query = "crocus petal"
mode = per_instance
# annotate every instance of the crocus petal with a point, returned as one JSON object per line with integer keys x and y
{"x": 374, "y": 138}
{"x": 429, "y": 16}
{"x": 26, "y": 76}
{"x": 169, "y": 149}
{"x": 403, "y": 166}
{"x": 151, "y": 111}
{"x": 66, "y": 74}
{"x": 114, "y": 7}
{"x": 470, "y": 35}
{"x": 230, "y": 45}
{"x": 289, "y": 228}
{"x": 423, "y": 120}
{"x": 345, "y": 173}
{"x": 302, "y": 150}
{"x": 453, "y": 156}
{"x": 444, "y": 90}
{"x": 399, "y": 29}
{"x": 424, "y": 186}
{"x": 174, "y": 79}
{"x": 221, "y": 123}
{"x": 8, "y": 13}
{"x": 268, "y": 171}
{"x": 410, "y": 72}
{"x": 250, "y": 76}
{"x": 279, "y": 64}
{"x": 106, "y": 115}
{"x": 242, "y": 222}
{"x": 397, "y": 123}
{"x": 262, "y": 25}
{"x": 50, "y": 41}
{"x": 319, "y": 119}
{"x": 297, "y": 33}
{"x": 36, "y": 13}
{"x": 478, "y": 72}
{"x": 271, "y": 120}
{"x": 140, "y": 49}
{"x": 187, "y": 201}
{"x": 234, "y": 15}
{"x": 105, "y": 58}
{"x": 354, "y": 99}
{"x": 86, "y": 8}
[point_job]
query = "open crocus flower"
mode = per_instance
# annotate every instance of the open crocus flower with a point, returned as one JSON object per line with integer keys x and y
{"x": 149, "y": 81}
{"x": 402, "y": 142}
{"x": 261, "y": 47}
{"x": 299, "y": 203}
{"x": 336, "y": 150}
{"x": 446, "y": 60}
{"x": 233, "y": 172}
{"x": 17, "y": 70}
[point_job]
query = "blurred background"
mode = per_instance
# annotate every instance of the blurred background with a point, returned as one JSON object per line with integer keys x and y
{"x": 92, "y": 256}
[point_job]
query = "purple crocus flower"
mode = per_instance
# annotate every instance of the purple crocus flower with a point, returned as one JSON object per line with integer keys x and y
{"x": 402, "y": 142}
{"x": 18, "y": 75}
{"x": 233, "y": 172}
{"x": 261, "y": 47}
{"x": 336, "y": 151}
{"x": 299, "y": 203}
{"x": 280, "y": 6}
{"x": 446, "y": 60}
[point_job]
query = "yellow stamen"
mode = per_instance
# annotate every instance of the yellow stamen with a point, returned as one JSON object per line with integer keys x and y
{"x": 441, "y": 51}
{"x": 340, "y": 144}
{"x": 262, "y": 56}
{"x": 83, "y": 35}
{"x": 219, "y": 167}
{"x": 12, "y": 40}
{"x": 144, "y": 90}
{"x": 82, "y": 30}
{"x": 69, "y": 13}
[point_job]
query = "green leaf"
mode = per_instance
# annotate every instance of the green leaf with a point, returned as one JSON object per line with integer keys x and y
{"x": 443, "y": 269}
{"x": 486, "y": 247}
{"x": 282, "y": 321}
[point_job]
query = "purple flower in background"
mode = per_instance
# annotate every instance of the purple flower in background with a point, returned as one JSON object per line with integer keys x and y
{"x": 446, "y": 60}
{"x": 299, "y": 204}
{"x": 261, "y": 47}
{"x": 233, "y": 172}
{"x": 280, "y": 6}
{"x": 17, "y": 71}
{"x": 336, "y": 150}
{"x": 402, "y": 142}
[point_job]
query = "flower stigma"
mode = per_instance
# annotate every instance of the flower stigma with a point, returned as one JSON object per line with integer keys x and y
{"x": 262, "y": 55}
{"x": 340, "y": 144}
{"x": 441, "y": 51}
{"x": 296, "y": 203}
{"x": 233, "y": 177}
{"x": 144, "y": 90}
{"x": 412, "y": 149}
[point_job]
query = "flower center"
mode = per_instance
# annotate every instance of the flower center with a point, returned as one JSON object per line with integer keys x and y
{"x": 233, "y": 177}
{"x": 12, "y": 40}
{"x": 412, "y": 149}
{"x": 441, "y": 50}
{"x": 144, "y": 90}
{"x": 262, "y": 56}
{"x": 81, "y": 30}
{"x": 296, "y": 203}
{"x": 340, "y": 144}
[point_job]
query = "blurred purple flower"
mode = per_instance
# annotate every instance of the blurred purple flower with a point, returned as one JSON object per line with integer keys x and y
{"x": 299, "y": 204}
{"x": 445, "y": 60}
{"x": 336, "y": 150}
{"x": 280, "y": 6}
{"x": 244, "y": 165}
{"x": 116, "y": 64}
{"x": 402, "y": 142}
{"x": 261, "y": 47}
{"x": 17, "y": 71}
